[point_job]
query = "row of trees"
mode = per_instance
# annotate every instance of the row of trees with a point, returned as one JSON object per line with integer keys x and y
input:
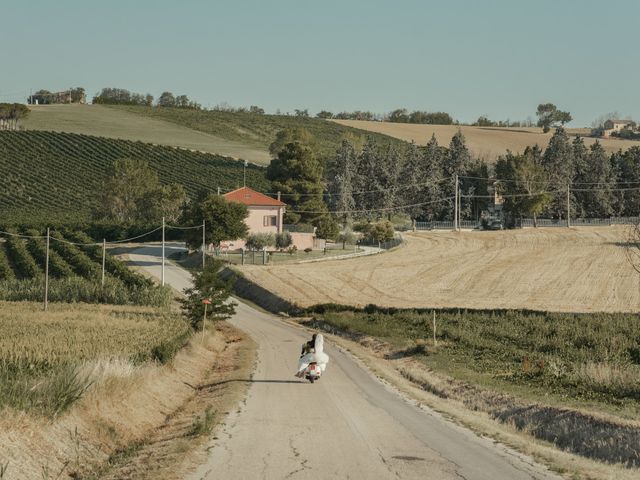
{"x": 45, "y": 97}
{"x": 11, "y": 114}
{"x": 373, "y": 181}
{"x": 121, "y": 96}
{"x": 399, "y": 115}
{"x": 600, "y": 185}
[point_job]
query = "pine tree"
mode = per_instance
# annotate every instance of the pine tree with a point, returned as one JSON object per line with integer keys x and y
{"x": 341, "y": 181}
{"x": 366, "y": 185}
{"x": 457, "y": 161}
{"x": 558, "y": 161}
{"x": 596, "y": 172}
{"x": 433, "y": 192}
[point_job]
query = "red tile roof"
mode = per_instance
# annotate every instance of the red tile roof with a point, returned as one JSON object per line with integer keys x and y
{"x": 250, "y": 197}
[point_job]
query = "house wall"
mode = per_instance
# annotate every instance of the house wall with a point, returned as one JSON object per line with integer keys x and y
{"x": 302, "y": 240}
{"x": 255, "y": 219}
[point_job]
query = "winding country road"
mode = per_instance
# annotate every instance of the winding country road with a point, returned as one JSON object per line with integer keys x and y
{"x": 348, "y": 425}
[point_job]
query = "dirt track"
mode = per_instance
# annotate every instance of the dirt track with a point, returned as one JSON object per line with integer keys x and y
{"x": 581, "y": 270}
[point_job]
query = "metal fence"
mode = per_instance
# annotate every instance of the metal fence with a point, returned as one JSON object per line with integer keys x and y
{"x": 386, "y": 245}
{"x": 445, "y": 225}
{"x": 579, "y": 222}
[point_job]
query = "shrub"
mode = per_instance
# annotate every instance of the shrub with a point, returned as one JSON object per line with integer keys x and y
{"x": 308, "y": 250}
{"x": 259, "y": 241}
{"x": 283, "y": 240}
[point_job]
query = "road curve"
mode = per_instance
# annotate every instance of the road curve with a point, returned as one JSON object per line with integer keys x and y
{"x": 347, "y": 425}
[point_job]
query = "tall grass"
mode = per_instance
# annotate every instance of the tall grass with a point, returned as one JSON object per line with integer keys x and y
{"x": 593, "y": 356}
{"x": 44, "y": 357}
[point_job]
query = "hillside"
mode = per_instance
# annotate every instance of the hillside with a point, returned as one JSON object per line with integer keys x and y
{"x": 54, "y": 175}
{"x": 484, "y": 142}
{"x": 237, "y": 135}
{"x": 256, "y": 131}
{"x": 583, "y": 269}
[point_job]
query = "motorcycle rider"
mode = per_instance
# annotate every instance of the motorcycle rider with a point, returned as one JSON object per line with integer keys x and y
{"x": 310, "y": 346}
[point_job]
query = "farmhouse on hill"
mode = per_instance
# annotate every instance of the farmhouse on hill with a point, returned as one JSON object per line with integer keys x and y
{"x": 265, "y": 216}
{"x": 616, "y": 126}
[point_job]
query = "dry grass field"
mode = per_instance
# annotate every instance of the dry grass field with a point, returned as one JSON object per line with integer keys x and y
{"x": 579, "y": 270}
{"x": 485, "y": 142}
{"x": 117, "y": 123}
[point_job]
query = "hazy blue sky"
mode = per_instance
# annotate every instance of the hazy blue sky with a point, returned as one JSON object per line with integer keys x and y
{"x": 495, "y": 57}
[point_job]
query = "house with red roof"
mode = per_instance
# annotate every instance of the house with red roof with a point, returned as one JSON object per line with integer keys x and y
{"x": 265, "y": 216}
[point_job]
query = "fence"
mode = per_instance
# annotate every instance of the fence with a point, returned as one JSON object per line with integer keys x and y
{"x": 578, "y": 222}
{"x": 445, "y": 225}
{"x": 386, "y": 245}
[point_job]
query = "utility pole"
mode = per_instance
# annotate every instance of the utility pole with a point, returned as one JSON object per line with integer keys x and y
{"x": 162, "y": 275}
{"x": 455, "y": 208}
{"x": 203, "y": 242}
{"x": 435, "y": 341}
{"x": 459, "y": 207}
{"x": 104, "y": 257}
{"x": 244, "y": 174}
{"x": 568, "y": 205}
{"x": 46, "y": 275}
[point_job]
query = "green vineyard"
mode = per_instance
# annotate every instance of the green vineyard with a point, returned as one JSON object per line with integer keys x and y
{"x": 50, "y": 176}
{"x": 75, "y": 272}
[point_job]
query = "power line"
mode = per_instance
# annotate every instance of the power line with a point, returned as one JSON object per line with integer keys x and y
{"x": 376, "y": 209}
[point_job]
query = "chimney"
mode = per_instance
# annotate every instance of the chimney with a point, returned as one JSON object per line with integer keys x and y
{"x": 278, "y": 196}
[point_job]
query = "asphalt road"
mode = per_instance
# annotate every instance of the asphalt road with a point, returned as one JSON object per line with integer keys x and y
{"x": 347, "y": 425}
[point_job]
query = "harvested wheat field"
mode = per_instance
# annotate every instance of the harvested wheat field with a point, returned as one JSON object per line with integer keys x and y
{"x": 554, "y": 269}
{"x": 484, "y": 142}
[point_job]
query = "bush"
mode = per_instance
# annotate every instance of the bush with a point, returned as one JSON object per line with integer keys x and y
{"x": 260, "y": 241}
{"x": 346, "y": 237}
{"x": 327, "y": 227}
{"x": 308, "y": 250}
{"x": 378, "y": 232}
{"x": 283, "y": 240}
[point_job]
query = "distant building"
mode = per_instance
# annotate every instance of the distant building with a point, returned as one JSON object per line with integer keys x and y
{"x": 44, "y": 97}
{"x": 266, "y": 215}
{"x": 616, "y": 126}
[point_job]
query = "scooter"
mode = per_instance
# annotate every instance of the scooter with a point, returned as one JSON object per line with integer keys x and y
{"x": 313, "y": 372}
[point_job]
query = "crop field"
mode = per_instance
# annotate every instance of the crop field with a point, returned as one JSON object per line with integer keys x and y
{"x": 484, "y": 142}
{"x": 49, "y": 175}
{"x": 257, "y": 131}
{"x": 44, "y": 357}
{"x": 102, "y": 121}
{"x": 75, "y": 273}
{"x": 583, "y": 269}
{"x": 587, "y": 357}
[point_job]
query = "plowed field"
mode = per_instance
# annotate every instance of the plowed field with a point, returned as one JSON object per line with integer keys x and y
{"x": 578, "y": 270}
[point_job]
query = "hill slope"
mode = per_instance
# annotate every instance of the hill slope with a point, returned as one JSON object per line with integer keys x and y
{"x": 485, "y": 142}
{"x": 256, "y": 131}
{"x": 54, "y": 175}
{"x": 238, "y": 135}
{"x": 118, "y": 123}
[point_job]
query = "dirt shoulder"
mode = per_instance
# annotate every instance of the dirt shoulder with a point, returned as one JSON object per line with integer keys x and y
{"x": 150, "y": 421}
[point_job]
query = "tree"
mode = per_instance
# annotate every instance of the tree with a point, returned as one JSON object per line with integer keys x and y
{"x": 301, "y": 113}
{"x": 289, "y": 135}
{"x": 283, "y": 240}
{"x": 163, "y": 201}
{"x": 260, "y": 241}
{"x": 341, "y": 181}
{"x": 457, "y": 161}
{"x": 548, "y": 115}
{"x": 297, "y": 172}
{"x": 595, "y": 173}
{"x": 365, "y": 183}
{"x": 380, "y": 231}
{"x": 209, "y": 286}
{"x": 327, "y": 227}
{"x": 125, "y": 190}
{"x": 255, "y": 110}
{"x": 167, "y": 100}
{"x": 524, "y": 185}
{"x": 324, "y": 114}
{"x": 627, "y": 168}
{"x": 223, "y": 220}
{"x": 11, "y": 114}
{"x": 399, "y": 115}
{"x": 346, "y": 237}
{"x": 559, "y": 163}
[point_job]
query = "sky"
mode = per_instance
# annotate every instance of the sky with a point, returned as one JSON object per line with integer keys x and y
{"x": 499, "y": 58}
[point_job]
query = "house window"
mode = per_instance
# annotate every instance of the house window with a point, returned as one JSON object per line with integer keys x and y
{"x": 270, "y": 220}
